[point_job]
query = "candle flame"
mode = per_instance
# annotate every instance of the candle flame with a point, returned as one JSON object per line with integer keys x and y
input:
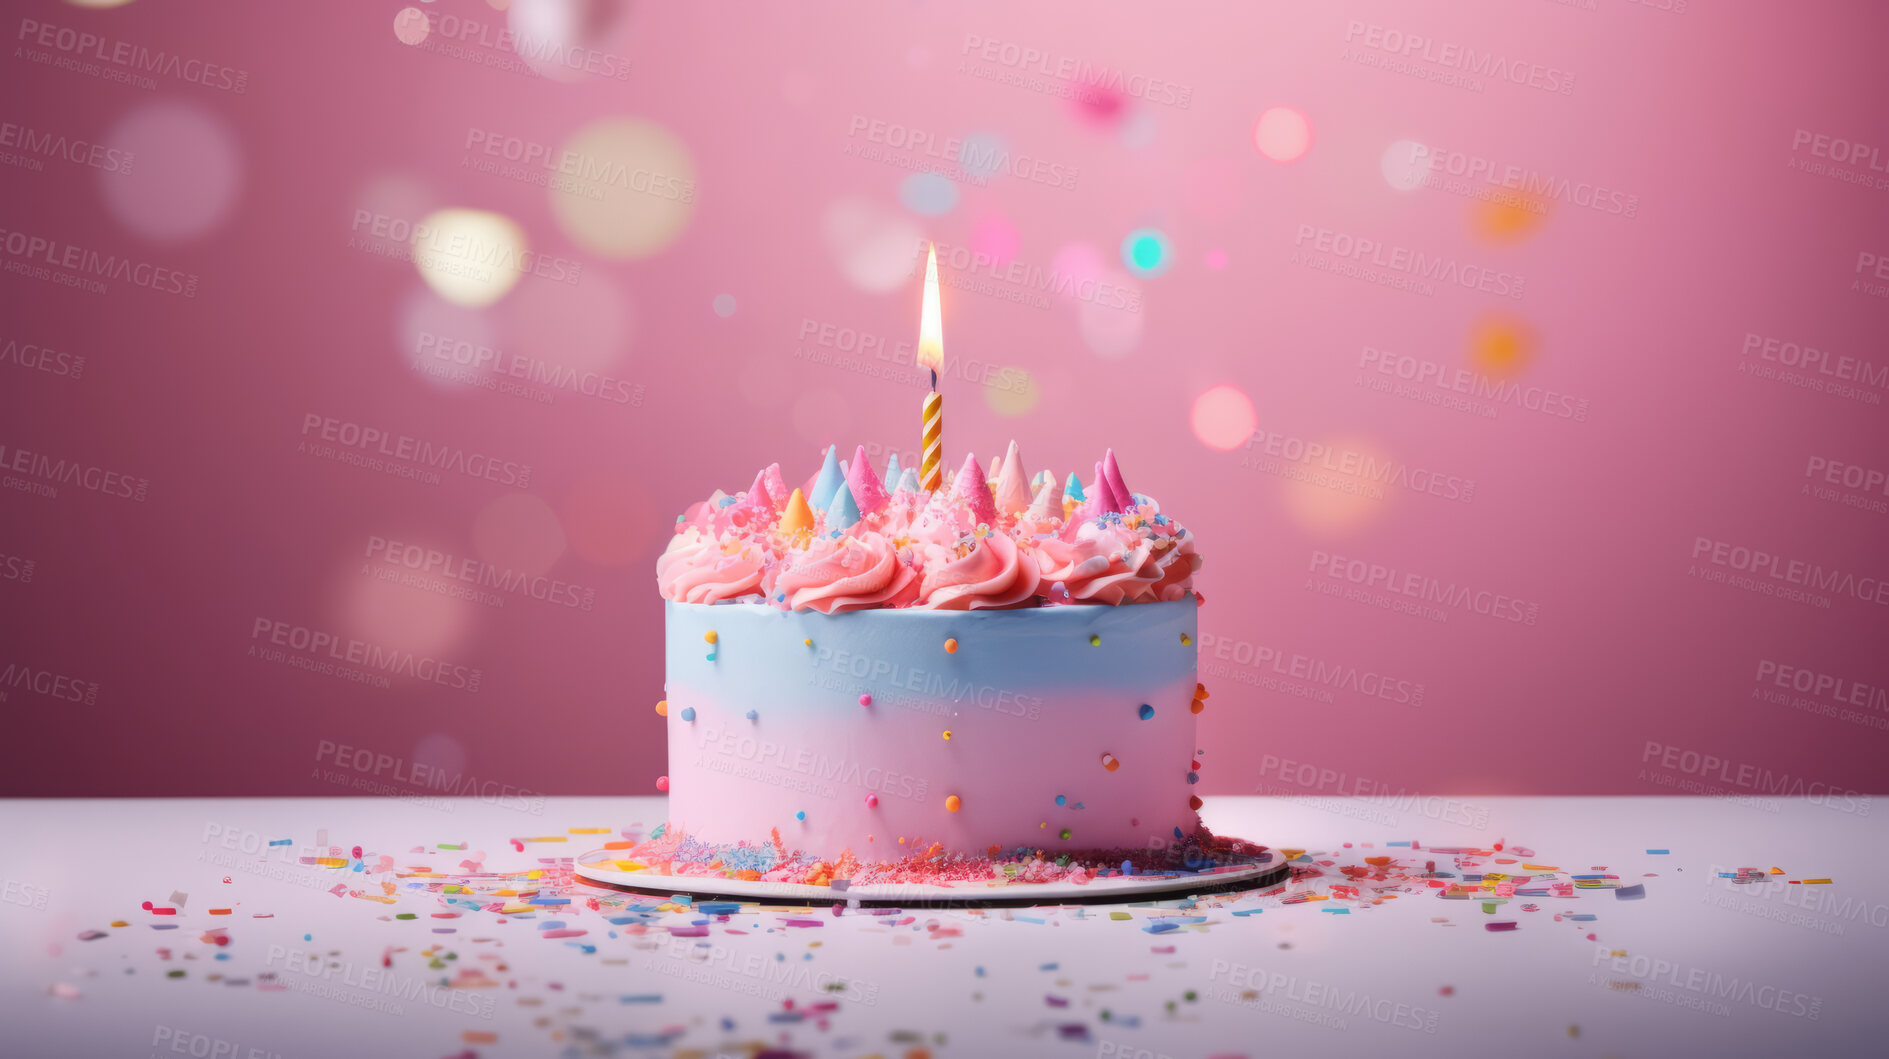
{"x": 930, "y": 322}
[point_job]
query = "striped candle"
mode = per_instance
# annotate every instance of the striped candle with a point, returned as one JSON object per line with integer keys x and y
{"x": 931, "y": 462}
{"x": 931, "y": 355}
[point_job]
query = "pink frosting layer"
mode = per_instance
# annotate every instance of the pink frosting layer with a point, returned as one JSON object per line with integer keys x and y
{"x": 956, "y": 549}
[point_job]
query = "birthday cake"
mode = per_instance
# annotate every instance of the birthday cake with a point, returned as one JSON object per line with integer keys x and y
{"x": 881, "y": 681}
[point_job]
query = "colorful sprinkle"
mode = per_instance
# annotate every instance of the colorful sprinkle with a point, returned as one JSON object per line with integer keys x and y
{"x": 865, "y": 700}
{"x": 662, "y": 783}
{"x": 872, "y": 801}
{"x": 1111, "y": 762}
{"x": 1064, "y": 834}
{"x": 947, "y": 735}
{"x": 1094, "y": 640}
{"x": 688, "y": 713}
{"x": 1062, "y": 800}
{"x": 1194, "y": 802}
{"x": 1147, "y": 712}
{"x": 1196, "y": 706}
{"x": 951, "y": 646}
{"x": 800, "y": 814}
{"x": 952, "y": 804}
{"x": 754, "y": 715}
{"x": 808, "y": 641}
{"x": 711, "y": 636}
{"x": 662, "y": 708}
{"x": 1186, "y": 640}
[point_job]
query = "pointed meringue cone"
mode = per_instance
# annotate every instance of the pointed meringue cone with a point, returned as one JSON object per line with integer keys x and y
{"x": 798, "y": 517}
{"x": 1012, "y": 496}
{"x": 843, "y": 511}
{"x": 996, "y": 470}
{"x": 970, "y": 487}
{"x": 828, "y": 481}
{"x": 776, "y": 487}
{"x": 758, "y": 498}
{"x": 1072, "y": 489}
{"x": 908, "y": 482}
{"x": 891, "y": 468}
{"x": 868, "y": 491}
{"x": 1048, "y": 503}
{"x": 1124, "y": 500}
{"x": 1104, "y": 495}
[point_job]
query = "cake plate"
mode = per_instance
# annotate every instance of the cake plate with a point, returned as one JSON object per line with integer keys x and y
{"x": 598, "y": 868}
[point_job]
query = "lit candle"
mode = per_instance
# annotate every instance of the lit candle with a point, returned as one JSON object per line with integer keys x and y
{"x": 931, "y": 355}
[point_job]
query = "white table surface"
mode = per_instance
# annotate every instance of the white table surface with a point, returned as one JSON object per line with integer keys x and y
{"x": 1710, "y": 969}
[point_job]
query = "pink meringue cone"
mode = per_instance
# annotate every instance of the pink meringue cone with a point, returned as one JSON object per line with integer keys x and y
{"x": 1048, "y": 503}
{"x": 759, "y": 497}
{"x": 1124, "y": 500}
{"x": 868, "y": 490}
{"x": 1013, "y": 492}
{"x": 776, "y": 486}
{"x": 1104, "y": 492}
{"x": 970, "y": 487}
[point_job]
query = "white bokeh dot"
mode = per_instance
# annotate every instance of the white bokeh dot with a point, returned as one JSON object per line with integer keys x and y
{"x": 1403, "y": 164}
{"x": 724, "y": 305}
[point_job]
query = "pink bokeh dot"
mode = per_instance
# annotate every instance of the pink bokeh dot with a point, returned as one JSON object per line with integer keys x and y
{"x": 1216, "y": 259}
{"x": 1282, "y": 134}
{"x": 995, "y": 238}
{"x": 1224, "y": 418}
{"x": 186, "y": 171}
{"x": 410, "y": 26}
{"x": 519, "y": 532}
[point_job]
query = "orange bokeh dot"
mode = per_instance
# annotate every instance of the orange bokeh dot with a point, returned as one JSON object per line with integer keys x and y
{"x": 1501, "y": 345}
{"x": 1223, "y": 417}
{"x": 1509, "y": 221}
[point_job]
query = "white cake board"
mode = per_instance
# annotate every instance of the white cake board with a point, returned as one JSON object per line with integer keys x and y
{"x": 598, "y": 869}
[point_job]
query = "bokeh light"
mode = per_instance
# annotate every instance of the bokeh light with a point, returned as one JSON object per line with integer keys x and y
{"x": 996, "y": 238}
{"x": 410, "y": 26}
{"x": 519, "y": 532}
{"x": 1108, "y": 327}
{"x": 585, "y": 327}
{"x": 1146, "y": 252}
{"x": 632, "y": 192}
{"x": 724, "y": 305}
{"x": 1216, "y": 259}
{"x": 1223, "y": 417}
{"x": 558, "y": 38}
{"x": 607, "y": 520}
{"x": 1404, "y": 164}
{"x": 1501, "y": 346}
{"x": 1282, "y": 134}
{"x": 403, "y": 617}
{"x": 928, "y": 194}
{"x": 982, "y": 154}
{"x": 1075, "y": 265}
{"x": 187, "y": 172}
{"x": 469, "y": 257}
{"x": 1511, "y": 220}
{"x": 875, "y": 248}
{"x": 1012, "y": 392}
{"x": 441, "y": 341}
{"x": 1332, "y": 500}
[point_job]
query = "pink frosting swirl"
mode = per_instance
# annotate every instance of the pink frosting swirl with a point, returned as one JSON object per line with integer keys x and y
{"x": 697, "y": 568}
{"x": 848, "y": 573}
{"x": 994, "y": 574}
{"x": 1103, "y": 562}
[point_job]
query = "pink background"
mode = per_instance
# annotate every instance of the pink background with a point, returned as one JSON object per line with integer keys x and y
{"x": 150, "y": 609}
